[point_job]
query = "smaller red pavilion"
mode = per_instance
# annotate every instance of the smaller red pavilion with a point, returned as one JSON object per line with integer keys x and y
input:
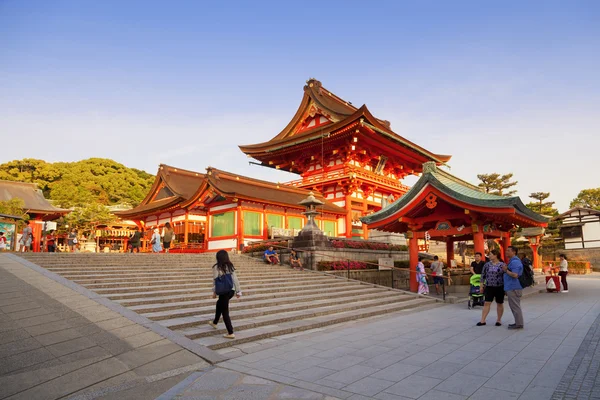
{"x": 449, "y": 209}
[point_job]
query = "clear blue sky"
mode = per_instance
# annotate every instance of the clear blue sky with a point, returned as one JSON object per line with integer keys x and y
{"x": 506, "y": 87}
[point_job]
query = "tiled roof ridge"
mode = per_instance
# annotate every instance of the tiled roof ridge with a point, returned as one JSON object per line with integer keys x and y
{"x": 278, "y": 185}
{"x": 180, "y": 171}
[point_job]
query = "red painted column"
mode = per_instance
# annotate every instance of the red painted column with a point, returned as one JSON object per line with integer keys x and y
{"x": 504, "y": 243}
{"x": 413, "y": 259}
{"x": 36, "y": 227}
{"x": 478, "y": 240}
{"x": 536, "y": 258}
{"x": 449, "y": 252}
{"x": 348, "y": 216}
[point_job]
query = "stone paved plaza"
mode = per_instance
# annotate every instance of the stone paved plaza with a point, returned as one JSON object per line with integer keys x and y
{"x": 58, "y": 343}
{"x": 433, "y": 354}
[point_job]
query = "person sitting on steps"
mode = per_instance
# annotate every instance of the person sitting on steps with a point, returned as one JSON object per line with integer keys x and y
{"x": 271, "y": 256}
{"x": 295, "y": 261}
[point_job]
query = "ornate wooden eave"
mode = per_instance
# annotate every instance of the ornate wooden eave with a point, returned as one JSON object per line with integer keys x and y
{"x": 341, "y": 114}
{"x": 436, "y": 185}
{"x": 236, "y": 187}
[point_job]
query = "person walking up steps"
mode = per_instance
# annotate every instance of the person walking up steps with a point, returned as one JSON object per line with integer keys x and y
{"x": 513, "y": 287}
{"x": 167, "y": 236}
{"x": 563, "y": 272}
{"x": 226, "y": 285}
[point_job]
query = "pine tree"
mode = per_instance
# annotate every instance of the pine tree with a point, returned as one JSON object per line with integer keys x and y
{"x": 587, "y": 198}
{"x": 497, "y": 184}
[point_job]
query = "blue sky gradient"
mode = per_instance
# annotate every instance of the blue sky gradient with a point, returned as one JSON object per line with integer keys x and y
{"x": 504, "y": 87}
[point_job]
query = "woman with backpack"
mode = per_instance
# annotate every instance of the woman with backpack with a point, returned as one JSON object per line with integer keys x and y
{"x": 226, "y": 285}
{"x": 167, "y": 236}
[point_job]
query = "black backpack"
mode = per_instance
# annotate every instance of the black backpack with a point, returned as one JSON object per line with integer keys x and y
{"x": 526, "y": 278}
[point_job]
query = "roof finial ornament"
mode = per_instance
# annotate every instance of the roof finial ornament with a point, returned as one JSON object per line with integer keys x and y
{"x": 429, "y": 167}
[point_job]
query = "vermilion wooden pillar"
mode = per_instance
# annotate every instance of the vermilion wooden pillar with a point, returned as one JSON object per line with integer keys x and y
{"x": 478, "y": 240}
{"x": 504, "y": 243}
{"x": 36, "y": 227}
{"x": 449, "y": 251}
{"x": 349, "y": 216}
{"x": 186, "y": 231}
{"x": 413, "y": 259}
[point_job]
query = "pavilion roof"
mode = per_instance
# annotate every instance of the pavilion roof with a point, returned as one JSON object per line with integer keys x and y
{"x": 232, "y": 185}
{"x": 459, "y": 190}
{"x": 32, "y": 196}
{"x": 181, "y": 185}
{"x": 187, "y": 187}
{"x": 340, "y": 113}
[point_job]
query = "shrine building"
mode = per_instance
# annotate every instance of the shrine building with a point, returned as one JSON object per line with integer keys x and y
{"x": 354, "y": 159}
{"x": 221, "y": 210}
{"x": 350, "y": 159}
{"x": 446, "y": 208}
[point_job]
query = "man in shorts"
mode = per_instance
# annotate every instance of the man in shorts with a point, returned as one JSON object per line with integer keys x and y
{"x": 437, "y": 268}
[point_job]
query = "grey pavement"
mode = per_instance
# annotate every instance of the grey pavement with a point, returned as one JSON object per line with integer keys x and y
{"x": 436, "y": 353}
{"x": 57, "y": 343}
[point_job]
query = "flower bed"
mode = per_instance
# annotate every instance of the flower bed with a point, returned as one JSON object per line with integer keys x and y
{"x": 341, "y": 265}
{"x": 365, "y": 245}
{"x": 251, "y": 248}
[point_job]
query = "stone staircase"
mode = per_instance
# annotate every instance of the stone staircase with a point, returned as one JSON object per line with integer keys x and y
{"x": 175, "y": 291}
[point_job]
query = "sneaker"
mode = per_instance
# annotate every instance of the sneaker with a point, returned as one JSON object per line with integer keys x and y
{"x": 565, "y": 291}
{"x": 212, "y": 324}
{"x": 509, "y": 325}
{"x": 515, "y": 327}
{"x": 228, "y": 336}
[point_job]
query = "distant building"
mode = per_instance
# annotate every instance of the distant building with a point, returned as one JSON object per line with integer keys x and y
{"x": 580, "y": 228}
{"x": 36, "y": 206}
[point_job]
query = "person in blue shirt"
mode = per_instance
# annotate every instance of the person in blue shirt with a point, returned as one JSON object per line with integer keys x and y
{"x": 271, "y": 256}
{"x": 513, "y": 287}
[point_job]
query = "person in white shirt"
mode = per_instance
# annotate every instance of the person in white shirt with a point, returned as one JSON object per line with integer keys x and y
{"x": 437, "y": 268}
{"x": 563, "y": 271}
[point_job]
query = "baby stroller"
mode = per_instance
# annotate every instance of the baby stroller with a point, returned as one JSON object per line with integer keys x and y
{"x": 476, "y": 298}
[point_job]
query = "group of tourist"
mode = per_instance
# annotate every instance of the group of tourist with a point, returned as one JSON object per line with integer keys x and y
{"x": 271, "y": 257}
{"x": 437, "y": 270}
{"x": 500, "y": 279}
{"x": 158, "y": 241}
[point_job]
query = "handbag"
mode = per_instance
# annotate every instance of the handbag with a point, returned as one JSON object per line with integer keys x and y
{"x": 223, "y": 284}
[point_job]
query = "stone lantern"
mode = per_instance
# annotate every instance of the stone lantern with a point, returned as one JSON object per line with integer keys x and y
{"x": 311, "y": 236}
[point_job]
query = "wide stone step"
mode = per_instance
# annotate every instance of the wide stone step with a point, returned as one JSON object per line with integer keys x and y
{"x": 294, "y": 303}
{"x": 195, "y": 289}
{"x": 200, "y": 282}
{"x": 247, "y": 332}
{"x": 191, "y": 286}
{"x": 152, "y": 274}
{"x": 207, "y": 278}
{"x": 283, "y": 313}
{"x": 199, "y": 296}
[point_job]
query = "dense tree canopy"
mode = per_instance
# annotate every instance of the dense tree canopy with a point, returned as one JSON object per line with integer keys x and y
{"x": 588, "y": 198}
{"x": 497, "y": 184}
{"x": 76, "y": 184}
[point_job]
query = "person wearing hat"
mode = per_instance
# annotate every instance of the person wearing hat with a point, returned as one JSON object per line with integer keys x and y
{"x": 155, "y": 242}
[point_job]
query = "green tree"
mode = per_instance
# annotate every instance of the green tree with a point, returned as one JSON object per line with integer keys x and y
{"x": 87, "y": 217}
{"x": 545, "y": 208}
{"x": 587, "y": 198}
{"x": 541, "y": 206}
{"x": 497, "y": 184}
{"x": 77, "y": 184}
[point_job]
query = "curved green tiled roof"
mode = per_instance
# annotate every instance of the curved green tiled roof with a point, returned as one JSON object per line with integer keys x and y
{"x": 458, "y": 189}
